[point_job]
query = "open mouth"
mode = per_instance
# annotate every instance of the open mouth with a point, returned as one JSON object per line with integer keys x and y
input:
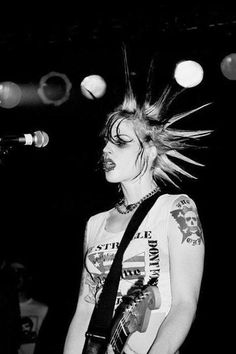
{"x": 108, "y": 165}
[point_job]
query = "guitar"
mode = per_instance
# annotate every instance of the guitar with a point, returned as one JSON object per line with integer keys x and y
{"x": 129, "y": 318}
{"x": 134, "y": 317}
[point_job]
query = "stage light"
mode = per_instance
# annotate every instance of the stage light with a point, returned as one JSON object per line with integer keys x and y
{"x": 188, "y": 73}
{"x": 54, "y": 88}
{"x": 228, "y": 66}
{"x": 93, "y": 86}
{"x": 10, "y": 94}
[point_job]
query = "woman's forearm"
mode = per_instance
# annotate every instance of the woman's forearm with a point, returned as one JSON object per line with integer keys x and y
{"x": 174, "y": 329}
{"x": 76, "y": 334}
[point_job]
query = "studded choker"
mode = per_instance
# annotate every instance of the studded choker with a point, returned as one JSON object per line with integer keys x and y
{"x": 125, "y": 209}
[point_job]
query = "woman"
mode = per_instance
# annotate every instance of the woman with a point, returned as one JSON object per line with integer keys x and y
{"x": 167, "y": 251}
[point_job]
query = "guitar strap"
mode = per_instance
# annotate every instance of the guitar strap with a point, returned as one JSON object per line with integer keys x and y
{"x": 100, "y": 322}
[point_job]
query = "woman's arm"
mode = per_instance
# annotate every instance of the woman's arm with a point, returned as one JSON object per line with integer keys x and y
{"x": 76, "y": 334}
{"x": 75, "y": 338}
{"x": 186, "y": 249}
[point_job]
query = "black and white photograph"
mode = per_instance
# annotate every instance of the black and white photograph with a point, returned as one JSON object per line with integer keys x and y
{"x": 117, "y": 125}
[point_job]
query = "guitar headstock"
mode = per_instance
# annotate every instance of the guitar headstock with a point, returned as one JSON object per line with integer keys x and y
{"x": 139, "y": 310}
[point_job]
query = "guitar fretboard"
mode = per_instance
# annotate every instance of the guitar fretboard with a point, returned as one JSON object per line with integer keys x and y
{"x": 119, "y": 338}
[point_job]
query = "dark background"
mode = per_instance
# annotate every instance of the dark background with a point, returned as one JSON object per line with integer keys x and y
{"x": 48, "y": 194}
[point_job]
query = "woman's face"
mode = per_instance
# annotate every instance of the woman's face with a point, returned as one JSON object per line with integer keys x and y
{"x": 122, "y": 161}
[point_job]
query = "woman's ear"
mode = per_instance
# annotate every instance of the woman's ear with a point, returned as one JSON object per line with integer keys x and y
{"x": 153, "y": 152}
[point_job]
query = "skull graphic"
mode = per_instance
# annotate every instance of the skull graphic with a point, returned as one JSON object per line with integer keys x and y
{"x": 191, "y": 221}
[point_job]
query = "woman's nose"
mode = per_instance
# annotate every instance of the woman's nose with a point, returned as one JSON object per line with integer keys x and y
{"x": 107, "y": 147}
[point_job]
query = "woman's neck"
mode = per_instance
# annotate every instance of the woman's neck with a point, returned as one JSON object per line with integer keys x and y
{"x": 133, "y": 191}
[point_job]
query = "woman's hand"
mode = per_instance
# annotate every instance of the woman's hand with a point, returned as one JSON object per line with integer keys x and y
{"x": 110, "y": 350}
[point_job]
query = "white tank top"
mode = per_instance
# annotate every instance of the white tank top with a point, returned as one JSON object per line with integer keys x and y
{"x": 146, "y": 259}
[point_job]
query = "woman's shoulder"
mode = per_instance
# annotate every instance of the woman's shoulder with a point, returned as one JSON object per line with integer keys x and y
{"x": 98, "y": 217}
{"x": 96, "y": 223}
{"x": 176, "y": 200}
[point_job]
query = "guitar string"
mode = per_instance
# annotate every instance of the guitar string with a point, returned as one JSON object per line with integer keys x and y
{"x": 119, "y": 328}
{"x": 123, "y": 320}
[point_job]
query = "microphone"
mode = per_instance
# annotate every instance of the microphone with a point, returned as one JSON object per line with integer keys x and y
{"x": 38, "y": 139}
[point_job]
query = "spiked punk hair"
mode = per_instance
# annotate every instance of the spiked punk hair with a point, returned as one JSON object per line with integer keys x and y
{"x": 152, "y": 125}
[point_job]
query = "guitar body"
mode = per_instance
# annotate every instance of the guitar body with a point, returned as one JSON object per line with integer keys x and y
{"x": 129, "y": 318}
{"x": 134, "y": 317}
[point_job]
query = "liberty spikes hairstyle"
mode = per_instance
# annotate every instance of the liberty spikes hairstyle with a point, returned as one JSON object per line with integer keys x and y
{"x": 152, "y": 126}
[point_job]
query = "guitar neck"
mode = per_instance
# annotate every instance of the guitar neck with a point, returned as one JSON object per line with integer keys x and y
{"x": 119, "y": 337}
{"x": 133, "y": 316}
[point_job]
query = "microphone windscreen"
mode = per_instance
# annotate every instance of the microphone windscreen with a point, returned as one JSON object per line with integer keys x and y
{"x": 41, "y": 138}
